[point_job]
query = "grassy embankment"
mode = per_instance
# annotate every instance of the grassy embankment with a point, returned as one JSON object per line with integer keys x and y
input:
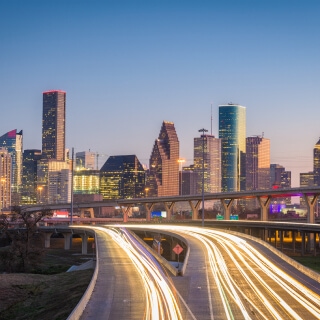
{"x": 54, "y": 293}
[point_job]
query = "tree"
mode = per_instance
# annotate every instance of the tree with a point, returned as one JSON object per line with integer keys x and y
{"x": 25, "y": 248}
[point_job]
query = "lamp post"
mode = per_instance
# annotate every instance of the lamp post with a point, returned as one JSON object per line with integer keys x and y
{"x": 181, "y": 161}
{"x": 203, "y": 131}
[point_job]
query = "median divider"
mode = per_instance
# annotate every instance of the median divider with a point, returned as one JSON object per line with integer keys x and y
{"x": 158, "y": 257}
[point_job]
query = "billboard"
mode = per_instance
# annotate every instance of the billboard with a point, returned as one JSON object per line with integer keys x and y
{"x": 158, "y": 214}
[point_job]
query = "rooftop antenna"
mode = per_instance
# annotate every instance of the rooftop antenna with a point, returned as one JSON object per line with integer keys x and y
{"x": 211, "y": 118}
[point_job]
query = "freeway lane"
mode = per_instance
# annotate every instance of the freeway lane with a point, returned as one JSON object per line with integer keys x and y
{"x": 227, "y": 278}
{"x": 131, "y": 283}
{"x": 118, "y": 293}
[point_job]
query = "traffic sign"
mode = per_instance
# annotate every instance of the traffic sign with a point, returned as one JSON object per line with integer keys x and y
{"x": 177, "y": 249}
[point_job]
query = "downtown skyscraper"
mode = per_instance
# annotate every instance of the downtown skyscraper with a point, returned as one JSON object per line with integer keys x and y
{"x": 12, "y": 141}
{"x": 54, "y": 125}
{"x": 207, "y": 152}
{"x": 232, "y": 132}
{"x": 163, "y": 179}
{"x": 53, "y": 170}
{"x": 257, "y": 163}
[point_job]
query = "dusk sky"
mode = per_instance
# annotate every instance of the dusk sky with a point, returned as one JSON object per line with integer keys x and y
{"x": 128, "y": 65}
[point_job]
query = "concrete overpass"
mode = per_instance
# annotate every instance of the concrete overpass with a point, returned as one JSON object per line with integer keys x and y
{"x": 264, "y": 197}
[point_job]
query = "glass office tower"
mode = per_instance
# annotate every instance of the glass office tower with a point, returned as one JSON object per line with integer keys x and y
{"x": 54, "y": 125}
{"x": 232, "y": 131}
{"x": 122, "y": 177}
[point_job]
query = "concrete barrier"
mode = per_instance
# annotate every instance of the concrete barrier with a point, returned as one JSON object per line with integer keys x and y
{"x": 78, "y": 310}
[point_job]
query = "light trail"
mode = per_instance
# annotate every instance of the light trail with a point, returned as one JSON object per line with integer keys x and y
{"x": 161, "y": 302}
{"x": 248, "y": 284}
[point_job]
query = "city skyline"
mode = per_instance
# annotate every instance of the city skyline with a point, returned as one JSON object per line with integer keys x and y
{"x": 127, "y": 67}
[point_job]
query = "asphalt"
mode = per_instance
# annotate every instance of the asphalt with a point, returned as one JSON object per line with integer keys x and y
{"x": 118, "y": 292}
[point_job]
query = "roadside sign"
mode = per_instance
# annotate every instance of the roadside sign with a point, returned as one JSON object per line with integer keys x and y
{"x": 177, "y": 249}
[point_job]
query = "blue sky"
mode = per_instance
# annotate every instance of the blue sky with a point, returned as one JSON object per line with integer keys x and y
{"x": 128, "y": 65}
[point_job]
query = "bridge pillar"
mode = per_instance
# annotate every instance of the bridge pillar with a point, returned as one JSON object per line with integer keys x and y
{"x": 169, "y": 209}
{"x": 149, "y": 209}
{"x": 281, "y": 240}
{"x": 264, "y": 205}
{"x": 310, "y": 241}
{"x": 311, "y": 202}
{"x": 226, "y": 208}
{"x": 194, "y": 209}
{"x": 303, "y": 243}
{"x": 47, "y": 238}
{"x": 125, "y": 211}
{"x": 67, "y": 240}
{"x": 84, "y": 210}
{"x": 84, "y": 238}
{"x": 294, "y": 241}
{"x": 264, "y": 235}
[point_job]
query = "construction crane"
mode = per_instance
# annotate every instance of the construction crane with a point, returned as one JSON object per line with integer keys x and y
{"x": 97, "y": 158}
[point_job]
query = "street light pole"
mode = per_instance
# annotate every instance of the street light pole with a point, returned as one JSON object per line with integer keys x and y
{"x": 203, "y": 131}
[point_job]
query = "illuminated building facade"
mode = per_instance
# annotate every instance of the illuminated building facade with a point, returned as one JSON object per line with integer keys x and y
{"x": 122, "y": 177}
{"x": 54, "y": 125}
{"x": 12, "y": 141}
{"x": 86, "y": 181}
{"x": 232, "y": 132}
{"x": 29, "y": 176}
{"x": 257, "y": 163}
{"x": 316, "y": 163}
{"x": 5, "y": 179}
{"x": 163, "y": 177}
{"x": 53, "y": 181}
{"x": 207, "y": 147}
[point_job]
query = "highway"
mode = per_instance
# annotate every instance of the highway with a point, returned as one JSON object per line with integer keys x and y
{"x": 227, "y": 277}
{"x": 131, "y": 283}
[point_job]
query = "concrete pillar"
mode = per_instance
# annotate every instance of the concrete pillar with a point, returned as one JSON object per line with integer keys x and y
{"x": 264, "y": 234}
{"x": 47, "y": 237}
{"x": 311, "y": 203}
{"x": 195, "y": 209}
{"x": 149, "y": 208}
{"x": 125, "y": 211}
{"x": 67, "y": 240}
{"x": 84, "y": 238}
{"x": 91, "y": 212}
{"x": 269, "y": 235}
{"x": 169, "y": 209}
{"x": 303, "y": 243}
{"x": 226, "y": 207}
{"x": 264, "y": 206}
{"x": 310, "y": 242}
